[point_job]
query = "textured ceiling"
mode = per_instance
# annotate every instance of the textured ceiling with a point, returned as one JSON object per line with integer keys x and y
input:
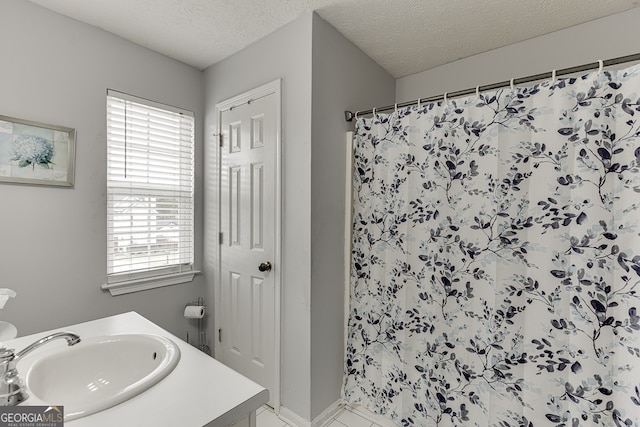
{"x": 403, "y": 36}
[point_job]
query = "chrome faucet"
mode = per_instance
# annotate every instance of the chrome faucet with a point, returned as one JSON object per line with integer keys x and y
{"x": 11, "y": 391}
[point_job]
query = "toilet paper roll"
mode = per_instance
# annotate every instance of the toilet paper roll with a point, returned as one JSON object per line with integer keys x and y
{"x": 194, "y": 312}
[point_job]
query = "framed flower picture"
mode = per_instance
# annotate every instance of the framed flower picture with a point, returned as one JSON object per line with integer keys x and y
{"x": 36, "y": 153}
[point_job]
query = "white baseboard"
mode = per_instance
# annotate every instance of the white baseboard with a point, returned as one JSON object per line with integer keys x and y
{"x": 292, "y": 418}
{"x": 328, "y": 414}
{"x": 371, "y": 416}
{"x": 325, "y": 417}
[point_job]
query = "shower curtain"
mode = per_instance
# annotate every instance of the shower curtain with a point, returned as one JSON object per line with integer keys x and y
{"x": 496, "y": 258}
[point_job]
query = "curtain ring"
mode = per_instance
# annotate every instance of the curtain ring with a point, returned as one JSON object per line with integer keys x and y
{"x": 374, "y": 111}
{"x": 396, "y": 107}
{"x": 445, "y": 97}
{"x": 478, "y": 90}
{"x": 418, "y": 103}
{"x": 511, "y": 84}
{"x": 600, "y": 65}
{"x": 553, "y": 76}
{"x": 357, "y": 115}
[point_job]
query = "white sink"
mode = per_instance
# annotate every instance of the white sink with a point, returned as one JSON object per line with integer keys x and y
{"x": 100, "y": 372}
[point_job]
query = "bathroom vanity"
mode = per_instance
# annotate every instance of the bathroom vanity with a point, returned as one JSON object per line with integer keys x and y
{"x": 199, "y": 391}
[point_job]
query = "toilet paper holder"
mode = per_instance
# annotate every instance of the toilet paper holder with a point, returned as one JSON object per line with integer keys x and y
{"x": 197, "y": 310}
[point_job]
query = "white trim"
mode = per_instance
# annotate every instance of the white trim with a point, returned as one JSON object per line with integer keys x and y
{"x": 378, "y": 419}
{"x": 291, "y": 418}
{"x": 142, "y": 284}
{"x": 274, "y": 87}
{"x": 328, "y": 414}
{"x": 324, "y": 419}
{"x": 348, "y": 220}
{"x": 348, "y": 224}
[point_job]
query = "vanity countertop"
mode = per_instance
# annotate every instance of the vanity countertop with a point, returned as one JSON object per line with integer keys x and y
{"x": 199, "y": 392}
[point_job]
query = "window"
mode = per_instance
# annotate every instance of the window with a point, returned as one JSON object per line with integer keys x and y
{"x": 150, "y": 177}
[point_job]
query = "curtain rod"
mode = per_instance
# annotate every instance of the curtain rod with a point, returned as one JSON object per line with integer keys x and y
{"x": 349, "y": 116}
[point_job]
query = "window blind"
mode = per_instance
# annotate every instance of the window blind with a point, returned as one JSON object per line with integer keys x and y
{"x": 150, "y": 175}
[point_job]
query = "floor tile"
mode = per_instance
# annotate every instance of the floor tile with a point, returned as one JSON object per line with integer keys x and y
{"x": 336, "y": 423}
{"x": 351, "y": 419}
{"x": 266, "y": 418}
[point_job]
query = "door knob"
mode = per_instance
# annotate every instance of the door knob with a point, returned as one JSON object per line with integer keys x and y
{"x": 265, "y": 266}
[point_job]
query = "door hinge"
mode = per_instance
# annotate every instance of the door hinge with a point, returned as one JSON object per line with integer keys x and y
{"x": 221, "y": 139}
{"x": 220, "y": 335}
{"x": 220, "y": 240}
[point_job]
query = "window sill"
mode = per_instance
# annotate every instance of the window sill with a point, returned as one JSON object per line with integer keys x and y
{"x": 143, "y": 284}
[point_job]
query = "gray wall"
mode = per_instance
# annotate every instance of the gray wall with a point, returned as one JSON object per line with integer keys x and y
{"x": 609, "y": 37}
{"x": 344, "y": 78}
{"x": 284, "y": 54}
{"x": 322, "y": 75}
{"x": 53, "y": 240}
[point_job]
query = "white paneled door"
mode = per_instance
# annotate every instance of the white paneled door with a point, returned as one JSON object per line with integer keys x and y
{"x": 248, "y": 203}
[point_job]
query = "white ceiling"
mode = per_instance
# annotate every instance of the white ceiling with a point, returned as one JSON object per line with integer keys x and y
{"x": 403, "y": 36}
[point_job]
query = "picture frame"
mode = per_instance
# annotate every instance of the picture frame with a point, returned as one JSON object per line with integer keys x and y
{"x": 36, "y": 153}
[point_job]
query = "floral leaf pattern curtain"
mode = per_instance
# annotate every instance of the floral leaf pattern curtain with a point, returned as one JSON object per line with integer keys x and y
{"x": 496, "y": 258}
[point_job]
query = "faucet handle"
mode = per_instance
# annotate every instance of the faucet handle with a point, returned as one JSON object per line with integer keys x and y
{"x": 12, "y": 377}
{"x": 7, "y": 354}
{"x": 11, "y": 391}
{"x": 12, "y": 385}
